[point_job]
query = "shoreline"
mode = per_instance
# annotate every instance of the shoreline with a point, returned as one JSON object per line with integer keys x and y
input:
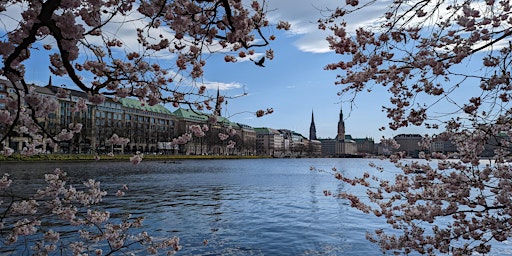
{"x": 124, "y": 157}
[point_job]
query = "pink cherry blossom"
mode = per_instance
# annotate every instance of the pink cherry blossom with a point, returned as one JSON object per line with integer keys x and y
{"x": 77, "y": 39}
{"x": 137, "y": 158}
{"x": 437, "y": 205}
{"x": 116, "y": 140}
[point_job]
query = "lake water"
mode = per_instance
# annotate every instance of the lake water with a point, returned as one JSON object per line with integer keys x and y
{"x": 242, "y": 207}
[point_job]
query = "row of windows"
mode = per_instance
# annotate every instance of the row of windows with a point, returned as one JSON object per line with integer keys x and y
{"x": 115, "y": 117}
{"x": 108, "y": 122}
{"x": 109, "y": 115}
{"x": 143, "y": 112}
{"x": 9, "y": 90}
{"x": 112, "y": 105}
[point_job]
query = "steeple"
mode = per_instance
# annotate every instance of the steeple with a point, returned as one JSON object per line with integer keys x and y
{"x": 312, "y": 129}
{"x": 341, "y": 126}
{"x": 218, "y": 103}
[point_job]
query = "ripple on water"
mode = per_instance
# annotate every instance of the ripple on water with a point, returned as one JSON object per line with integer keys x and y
{"x": 241, "y": 207}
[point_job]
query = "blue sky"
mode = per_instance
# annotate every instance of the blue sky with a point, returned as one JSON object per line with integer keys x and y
{"x": 294, "y": 84}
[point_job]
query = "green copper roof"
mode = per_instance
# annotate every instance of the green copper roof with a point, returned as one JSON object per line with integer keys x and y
{"x": 191, "y": 115}
{"x": 135, "y": 103}
{"x": 265, "y": 130}
{"x": 201, "y": 117}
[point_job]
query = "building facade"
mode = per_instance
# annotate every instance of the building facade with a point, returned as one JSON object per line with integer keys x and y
{"x": 269, "y": 142}
{"x": 150, "y": 129}
{"x": 409, "y": 144}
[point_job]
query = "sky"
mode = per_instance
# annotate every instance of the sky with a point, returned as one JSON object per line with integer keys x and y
{"x": 294, "y": 83}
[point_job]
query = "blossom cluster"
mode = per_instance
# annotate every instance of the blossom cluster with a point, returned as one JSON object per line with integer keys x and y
{"x": 199, "y": 130}
{"x": 80, "y": 28}
{"x": 420, "y": 52}
{"x": 89, "y": 228}
{"x": 75, "y": 37}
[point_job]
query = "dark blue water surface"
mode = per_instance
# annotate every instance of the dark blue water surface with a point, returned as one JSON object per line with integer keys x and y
{"x": 241, "y": 207}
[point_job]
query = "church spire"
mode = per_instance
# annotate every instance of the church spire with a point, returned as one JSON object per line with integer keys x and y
{"x": 341, "y": 126}
{"x": 312, "y": 128}
{"x": 218, "y": 103}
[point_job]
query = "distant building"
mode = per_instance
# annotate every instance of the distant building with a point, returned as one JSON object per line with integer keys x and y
{"x": 295, "y": 145}
{"x": 345, "y": 146}
{"x": 144, "y": 125}
{"x": 341, "y": 146}
{"x": 211, "y": 144}
{"x": 248, "y": 137}
{"x": 442, "y": 143}
{"x": 328, "y": 147}
{"x": 409, "y": 143}
{"x": 269, "y": 142}
{"x": 315, "y": 148}
{"x": 365, "y": 146}
{"x": 148, "y": 128}
{"x": 312, "y": 128}
{"x": 3, "y": 93}
{"x": 383, "y": 150}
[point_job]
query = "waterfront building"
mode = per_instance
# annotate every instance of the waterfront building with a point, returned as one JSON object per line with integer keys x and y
{"x": 66, "y": 114}
{"x": 328, "y": 147}
{"x": 146, "y": 126}
{"x": 269, "y": 142}
{"x": 315, "y": 148}
{"x": 294, "y": 144}
{"x": 443, "y": 143}
{"x": 383, "y": 149}
{"x": 409, "y": 144}
{"x": 365, "y": 146}
{"x": 244, "y": 136}
{"x": 341, "y": 146}
{"x": 3, "y": 93}
{"x": 345, "y": 145}
{"x": 16, "y": 140}
{"x": 150, "y": 129}
{"x": 248, "y": 138}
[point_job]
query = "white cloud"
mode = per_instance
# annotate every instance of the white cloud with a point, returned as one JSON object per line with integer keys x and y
{"x": 303, "y": 15}
{"x": 222, "y": 86}
{"x": 210, "y": 85}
